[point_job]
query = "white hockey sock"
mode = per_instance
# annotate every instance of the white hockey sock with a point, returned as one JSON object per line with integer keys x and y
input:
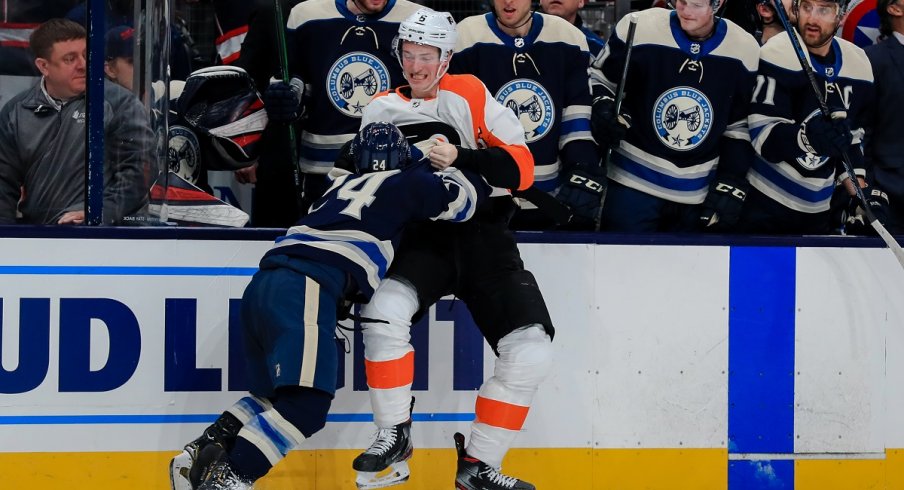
{"x": 388, "y": 354}
{"x": 525, "y": 358}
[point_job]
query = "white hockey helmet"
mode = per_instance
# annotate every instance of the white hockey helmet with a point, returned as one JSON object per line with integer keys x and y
{"x": 430, "y": 28}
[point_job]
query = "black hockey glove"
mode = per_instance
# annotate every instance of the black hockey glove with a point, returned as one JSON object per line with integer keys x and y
{"x": 582, "y": 191}
{"x": 857, "y": 223}
{"x": 608, "y": 128}
{"x": 283, "y": 101}
{"x": 723, "y": 203}
{"x": 345, "y": 160}
{"x": 826, "y": 137}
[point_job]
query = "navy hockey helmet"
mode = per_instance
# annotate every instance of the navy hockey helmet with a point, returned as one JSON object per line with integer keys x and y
{"x": 380, "y": 146}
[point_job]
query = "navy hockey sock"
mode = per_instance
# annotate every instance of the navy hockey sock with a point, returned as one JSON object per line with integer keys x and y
{"x": 304, "y": 408}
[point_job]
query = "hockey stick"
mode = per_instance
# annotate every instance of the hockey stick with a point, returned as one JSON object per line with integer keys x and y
{"x": 845, "y": 158}
{"x": 284, "y": 74}
{"x": 619, "y": 96}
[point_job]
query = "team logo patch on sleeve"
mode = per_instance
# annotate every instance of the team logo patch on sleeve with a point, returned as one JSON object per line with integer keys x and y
{"x": 682, "y": 117}
{"x": 354, "y": 79}
{"x": 531, "y": 102}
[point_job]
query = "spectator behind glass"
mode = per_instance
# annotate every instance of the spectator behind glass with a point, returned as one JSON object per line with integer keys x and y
{"x": 121, "y": 12}
{"x": 118, "y": 49}
{"x": 42, "y": 138}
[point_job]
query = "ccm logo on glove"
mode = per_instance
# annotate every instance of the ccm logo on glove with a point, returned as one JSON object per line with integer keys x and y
{"x": 581, "y": 181}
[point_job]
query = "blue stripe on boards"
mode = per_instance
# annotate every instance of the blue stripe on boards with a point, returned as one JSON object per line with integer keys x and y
{"x": 761, "y": 475}
{"x": 761, "y": 364}
{"x": 202, "y": 418}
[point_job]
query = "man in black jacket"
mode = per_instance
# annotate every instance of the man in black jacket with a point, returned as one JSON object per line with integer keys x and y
{"x": 884, "y": 146}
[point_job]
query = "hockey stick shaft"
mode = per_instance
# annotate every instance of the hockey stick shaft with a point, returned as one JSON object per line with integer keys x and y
{"x": 284, "y": 74}
{"x": 619, "y": 96}
{"x": 845, "y": 158}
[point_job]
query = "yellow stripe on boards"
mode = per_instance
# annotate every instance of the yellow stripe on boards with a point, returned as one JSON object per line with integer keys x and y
{"x": 660, "y": 469}
{"x": 431, "y": 469}
{"x": 842, "y": 474}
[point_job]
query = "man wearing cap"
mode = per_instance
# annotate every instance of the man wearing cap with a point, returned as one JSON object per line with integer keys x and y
{"x": 118, "y": 48}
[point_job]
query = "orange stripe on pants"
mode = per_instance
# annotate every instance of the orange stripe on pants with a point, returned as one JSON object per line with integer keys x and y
{"x": 389, "y": 374}
{"x": 500, "y": 414}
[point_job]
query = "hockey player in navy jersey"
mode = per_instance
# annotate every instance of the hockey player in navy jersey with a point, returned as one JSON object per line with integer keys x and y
{"x": 340, "y": 55}
{"x": 765, "y": 20}
{"x": 569, "y": 10}
{"x": 454, "y": 120}
{"x": 537, "y": 65}
{"x": 798, "y": 150}
{"x": 680, "y": 147}
{"x": 339, "y": 251}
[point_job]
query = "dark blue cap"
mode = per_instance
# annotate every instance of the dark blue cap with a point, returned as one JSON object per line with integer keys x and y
{"x": 120, "y": 42}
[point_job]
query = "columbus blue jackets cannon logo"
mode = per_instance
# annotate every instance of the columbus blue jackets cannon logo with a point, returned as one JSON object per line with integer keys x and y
{"x": 354, "y": 79}
{"x": 529, "y": 101}
{"x": 682, "y": 117}
{"x": 809, "y": 160}
{"x": 184, "y": 154}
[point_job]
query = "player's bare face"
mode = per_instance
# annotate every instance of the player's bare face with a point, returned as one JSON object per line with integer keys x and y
{"x": 696, "y": 17}
{"x": 512, "y": 13}
{"x": 65, "y": 69}
{"x": 121, "y": 71}
{"x": 368, "y": 7}
{"x": 817, "y": 22}
{"x": 421, "y": 67}
{"x": 566, "y": 9}
{"x": 766, "y": 11}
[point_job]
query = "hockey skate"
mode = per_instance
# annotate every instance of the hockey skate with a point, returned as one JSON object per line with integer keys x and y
{"x": 474, "y": 474}
{"x": 218, "y": 474}
{"x": 222, "y": 432}
{"x": 392, "y": 449}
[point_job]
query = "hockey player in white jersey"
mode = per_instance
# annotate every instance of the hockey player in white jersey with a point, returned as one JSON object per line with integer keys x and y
{"x": 537, "y": 65}
{"x": 798, "y": 150}
{"x": 454, "y": 120}
{"x": 680, "y": 147}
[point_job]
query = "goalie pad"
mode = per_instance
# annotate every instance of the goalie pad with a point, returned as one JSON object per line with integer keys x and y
{"x": 226, "y": 112}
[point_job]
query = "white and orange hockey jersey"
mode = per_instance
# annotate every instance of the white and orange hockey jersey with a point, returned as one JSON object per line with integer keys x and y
{"x": 463, "y": 113}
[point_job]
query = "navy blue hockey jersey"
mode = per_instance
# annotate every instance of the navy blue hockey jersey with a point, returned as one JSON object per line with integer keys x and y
{"x": 783, "y": 99}
{"x": 543, "y": 78}
{"x": 356, "y": 224}
{"x": 688, "y": 102}
{"x": 344, "y": 60}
